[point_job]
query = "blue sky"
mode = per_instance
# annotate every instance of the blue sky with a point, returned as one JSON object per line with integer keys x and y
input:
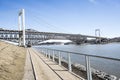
{"x": 66, "y": 16}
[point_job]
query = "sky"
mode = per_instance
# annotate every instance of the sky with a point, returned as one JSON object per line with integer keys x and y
{"x": 64, "y": 16}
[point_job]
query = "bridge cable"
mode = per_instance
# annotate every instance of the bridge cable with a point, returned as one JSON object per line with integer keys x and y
{"x": 50, "y": 26}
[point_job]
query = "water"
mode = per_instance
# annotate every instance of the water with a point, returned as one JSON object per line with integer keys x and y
{"x": 107, "y": 50}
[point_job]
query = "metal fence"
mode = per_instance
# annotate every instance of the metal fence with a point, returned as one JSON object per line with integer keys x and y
{"x": 47, "y": 51}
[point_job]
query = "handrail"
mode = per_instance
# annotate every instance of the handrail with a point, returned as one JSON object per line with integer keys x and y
{"x": 116, "y": 59}
{"x": 46, "y": 51}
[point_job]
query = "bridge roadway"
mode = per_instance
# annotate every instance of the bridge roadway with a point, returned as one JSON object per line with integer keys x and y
{"x": 35, "y": 36}
{"x": 45, "y": 69}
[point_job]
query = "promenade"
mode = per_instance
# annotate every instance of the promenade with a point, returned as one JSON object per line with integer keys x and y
{"x": 18, "y": 64}
{"x": 46, "y": 69}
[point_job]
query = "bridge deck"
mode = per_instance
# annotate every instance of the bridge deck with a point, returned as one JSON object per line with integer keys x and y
{"x": 45, "y": 69}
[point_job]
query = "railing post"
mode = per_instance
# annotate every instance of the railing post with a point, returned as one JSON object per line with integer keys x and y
{"x": 53, "y": 57}
{"x": 69, "y": 62}
{"x": 42, "y": 51}
{"x": 59, "y": 57}
{"x": 88, "y": 69}
{"x": 46, "y": 52}
{"x": 49, "y": 54}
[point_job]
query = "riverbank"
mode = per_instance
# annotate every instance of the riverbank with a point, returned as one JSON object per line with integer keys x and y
{"x": 12, "y": 61}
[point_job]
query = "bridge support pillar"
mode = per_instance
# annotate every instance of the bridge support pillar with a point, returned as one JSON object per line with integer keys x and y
{"x": 21, "y": 20}
{"x": 97, "y": 33}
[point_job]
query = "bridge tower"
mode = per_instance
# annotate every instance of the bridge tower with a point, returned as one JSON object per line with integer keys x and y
{"x": 97, "y": 33}
{"x": 21, "y": 25}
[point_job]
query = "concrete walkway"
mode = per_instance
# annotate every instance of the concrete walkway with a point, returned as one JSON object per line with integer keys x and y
{"x": 28, "y": 70}
{"x": 45, "y": 69}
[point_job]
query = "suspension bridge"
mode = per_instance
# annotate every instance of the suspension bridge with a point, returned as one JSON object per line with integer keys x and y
{"x": 23, "y": 36}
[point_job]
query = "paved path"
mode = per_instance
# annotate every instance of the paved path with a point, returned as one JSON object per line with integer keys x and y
{"x": 45, "y": 69}
{"x": 28, "y": 70}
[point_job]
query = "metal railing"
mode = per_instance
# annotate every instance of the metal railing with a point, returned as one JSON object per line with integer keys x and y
{"x": 47, "y": 52}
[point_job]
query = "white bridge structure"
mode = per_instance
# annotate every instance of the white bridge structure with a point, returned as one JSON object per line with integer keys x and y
{"x": 21, "y": 25}
{"x": 23, "y": 36}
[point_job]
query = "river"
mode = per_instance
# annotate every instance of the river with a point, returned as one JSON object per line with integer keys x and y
{"x": 107, "y": 50}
